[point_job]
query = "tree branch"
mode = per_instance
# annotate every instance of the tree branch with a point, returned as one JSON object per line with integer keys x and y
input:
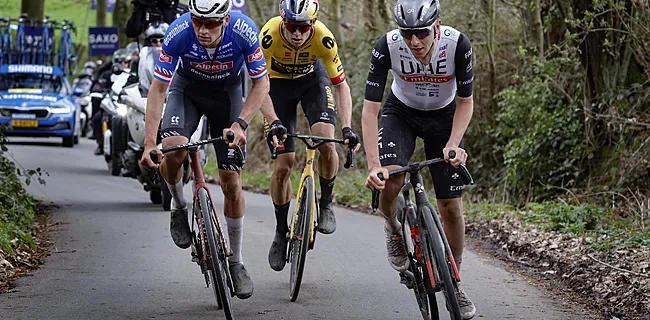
{"x": 617, "y": 268}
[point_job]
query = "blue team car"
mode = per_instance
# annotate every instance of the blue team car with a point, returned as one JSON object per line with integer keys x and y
{"x": 37, "y": 101}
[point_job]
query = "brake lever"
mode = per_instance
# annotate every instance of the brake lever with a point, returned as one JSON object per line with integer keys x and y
{"x": 349, "y": 161}
{"x": 154, "y": 156}
{"x": 375, "y": 200}
{"x": 464, "y": 173}
{"x": 239, "y": 154}
{"x": 274, "y": 153}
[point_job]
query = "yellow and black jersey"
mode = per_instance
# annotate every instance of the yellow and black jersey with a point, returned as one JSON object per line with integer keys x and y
{"x": 284, "y": 61}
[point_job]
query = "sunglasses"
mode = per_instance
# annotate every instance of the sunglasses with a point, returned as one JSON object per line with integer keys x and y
{"x": 156, "y": 40}
{"x": 206, "y": 23}
{"x": 420, "y": 33}
{"x": 292, "y": 27}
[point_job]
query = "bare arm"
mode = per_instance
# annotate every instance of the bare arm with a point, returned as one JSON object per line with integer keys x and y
{"x": 256, "y": 100}
{"x": 153, "y": 114}
{"x": 462, "y": 117}
{"x": 369, "y": 125}
{"x": 344, "y": 103}
{"x": 268, "y": 111}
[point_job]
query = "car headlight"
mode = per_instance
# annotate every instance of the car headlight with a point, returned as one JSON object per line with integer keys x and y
{"x": 121, "y": 110}
{"x": 60, "y": 107}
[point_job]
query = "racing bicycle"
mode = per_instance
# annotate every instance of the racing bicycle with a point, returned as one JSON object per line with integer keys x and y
{"x": 21, "y": 47}
{"x": 66, "y": 53}
{"x": 432, "y": 267}
{"x": 209, "y": 247}
{"x": 45, "y": 55}
{"x": 6, "y": 45}
{"x": 302, "y": 232}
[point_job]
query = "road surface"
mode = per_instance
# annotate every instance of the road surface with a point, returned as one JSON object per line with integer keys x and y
{"x": 113, "y": 258}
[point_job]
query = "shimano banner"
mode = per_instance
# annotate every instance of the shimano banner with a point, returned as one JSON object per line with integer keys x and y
{"x": 102, "y": 41}
{"x": 239, "y": 6}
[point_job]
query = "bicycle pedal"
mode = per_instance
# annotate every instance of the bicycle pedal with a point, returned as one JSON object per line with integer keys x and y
{"x": 405, "y": 280}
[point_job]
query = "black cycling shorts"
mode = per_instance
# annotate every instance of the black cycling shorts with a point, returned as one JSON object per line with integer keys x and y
{"x": 314, "y": 93}
{"x": 188, "y": 100}
{"x": 401, "y": 125}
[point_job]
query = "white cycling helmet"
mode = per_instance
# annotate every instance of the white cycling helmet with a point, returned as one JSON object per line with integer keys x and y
{"x": 210, "y": 8}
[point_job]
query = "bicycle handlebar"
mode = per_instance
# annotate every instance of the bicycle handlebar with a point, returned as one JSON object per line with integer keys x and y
{"x": 415, "y": 167}
{"x": 317, "y": 141}
{"x": 230, "y": 136}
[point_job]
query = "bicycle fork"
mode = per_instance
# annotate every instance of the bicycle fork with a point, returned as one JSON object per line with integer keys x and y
{"x": 308, "y": 171}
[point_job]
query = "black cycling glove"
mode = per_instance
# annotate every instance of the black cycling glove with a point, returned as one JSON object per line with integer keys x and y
{"x": 276, "y": 130}
{"x": 352, "y": 138}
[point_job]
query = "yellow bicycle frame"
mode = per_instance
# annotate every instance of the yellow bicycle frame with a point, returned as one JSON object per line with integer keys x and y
{"x": 308, "y": 171}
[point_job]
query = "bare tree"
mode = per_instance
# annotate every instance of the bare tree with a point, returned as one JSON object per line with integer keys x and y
{"x": 33, "y": 8}
{"x": 121, "y": 13}
{"x": 101, "y": 13}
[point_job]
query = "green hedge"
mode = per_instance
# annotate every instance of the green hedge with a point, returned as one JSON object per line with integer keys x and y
{"x": 17, "y": 208}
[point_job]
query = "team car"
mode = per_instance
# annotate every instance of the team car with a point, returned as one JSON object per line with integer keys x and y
{"x": 37, "y": 101}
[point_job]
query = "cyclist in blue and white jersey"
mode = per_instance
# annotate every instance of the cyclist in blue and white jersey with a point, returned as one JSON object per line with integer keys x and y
{"x": 209, "y": 44}
{"x": 430, "y": 98}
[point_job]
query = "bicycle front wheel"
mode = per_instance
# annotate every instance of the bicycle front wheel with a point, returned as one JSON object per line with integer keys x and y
{"x": 418, "y": 269}
{"x": 217, "y": 264}
{"x": 436, "y": 248}
{"x": 299, "y": 244}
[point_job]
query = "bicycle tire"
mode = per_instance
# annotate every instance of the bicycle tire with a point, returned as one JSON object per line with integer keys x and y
{"x": 426, "y": 305}
{"x": 299, "y": 244}
{"x": 442, "y": 263}
{"x": 217, "y": 265}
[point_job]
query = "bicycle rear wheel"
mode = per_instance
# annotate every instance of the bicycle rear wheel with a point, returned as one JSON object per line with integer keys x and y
{"x": 217, "y": 264}
{"x": 442, "y": 263}
{"x": 299, "y": 244}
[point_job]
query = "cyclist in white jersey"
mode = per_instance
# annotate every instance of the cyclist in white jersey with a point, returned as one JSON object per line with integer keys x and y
{"x": 430, "y": 98}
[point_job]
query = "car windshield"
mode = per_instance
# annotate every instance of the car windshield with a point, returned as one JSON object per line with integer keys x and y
{"x": 46, "y": 83}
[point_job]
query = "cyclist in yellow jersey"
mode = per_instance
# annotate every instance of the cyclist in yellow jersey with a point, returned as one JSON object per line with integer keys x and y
{"x": 293, "y": 45}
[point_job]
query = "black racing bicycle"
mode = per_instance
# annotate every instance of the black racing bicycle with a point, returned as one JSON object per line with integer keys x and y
{"x": 209, "y": 247}
{"x": 432, "y": 267}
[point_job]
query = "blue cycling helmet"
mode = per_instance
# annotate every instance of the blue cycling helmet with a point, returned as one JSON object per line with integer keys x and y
{"x": 299, "y": 10}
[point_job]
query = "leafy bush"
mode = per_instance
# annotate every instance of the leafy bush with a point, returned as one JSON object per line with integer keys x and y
{"x": 18, "y": 209}
{"x": 543, "y": 135}
{"x": 570, "y": 219}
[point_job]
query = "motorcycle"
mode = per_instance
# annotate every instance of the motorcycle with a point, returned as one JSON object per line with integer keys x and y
{"x": 81, "y": 91}
{"x": 111, "y": 108}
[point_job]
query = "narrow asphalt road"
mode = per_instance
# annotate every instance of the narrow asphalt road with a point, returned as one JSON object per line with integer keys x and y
{"x": 113, "y": 258}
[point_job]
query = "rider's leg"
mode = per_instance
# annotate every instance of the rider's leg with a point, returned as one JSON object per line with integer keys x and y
{"x": 179, "y": 121}
{"x": 280, "y": 188}
{"x": 453, "y": 222}
{"x": 233, "y": 208}
{"x": 284, "y": 94}
{"x": 396, "y": 142}
{"x": 318, "y": 106}
{"x": 170, "y": 170}
{"x": 388, "y": 200}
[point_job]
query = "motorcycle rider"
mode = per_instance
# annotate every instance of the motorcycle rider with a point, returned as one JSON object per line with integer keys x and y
{"x": 102, "y": 84}
{"x": 155, "y": 33}
{"x": 153, "y": 37}
{"x": 133, "y": 50}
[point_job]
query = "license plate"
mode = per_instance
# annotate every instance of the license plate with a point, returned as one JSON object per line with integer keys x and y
{"x": 24, "y": 123}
